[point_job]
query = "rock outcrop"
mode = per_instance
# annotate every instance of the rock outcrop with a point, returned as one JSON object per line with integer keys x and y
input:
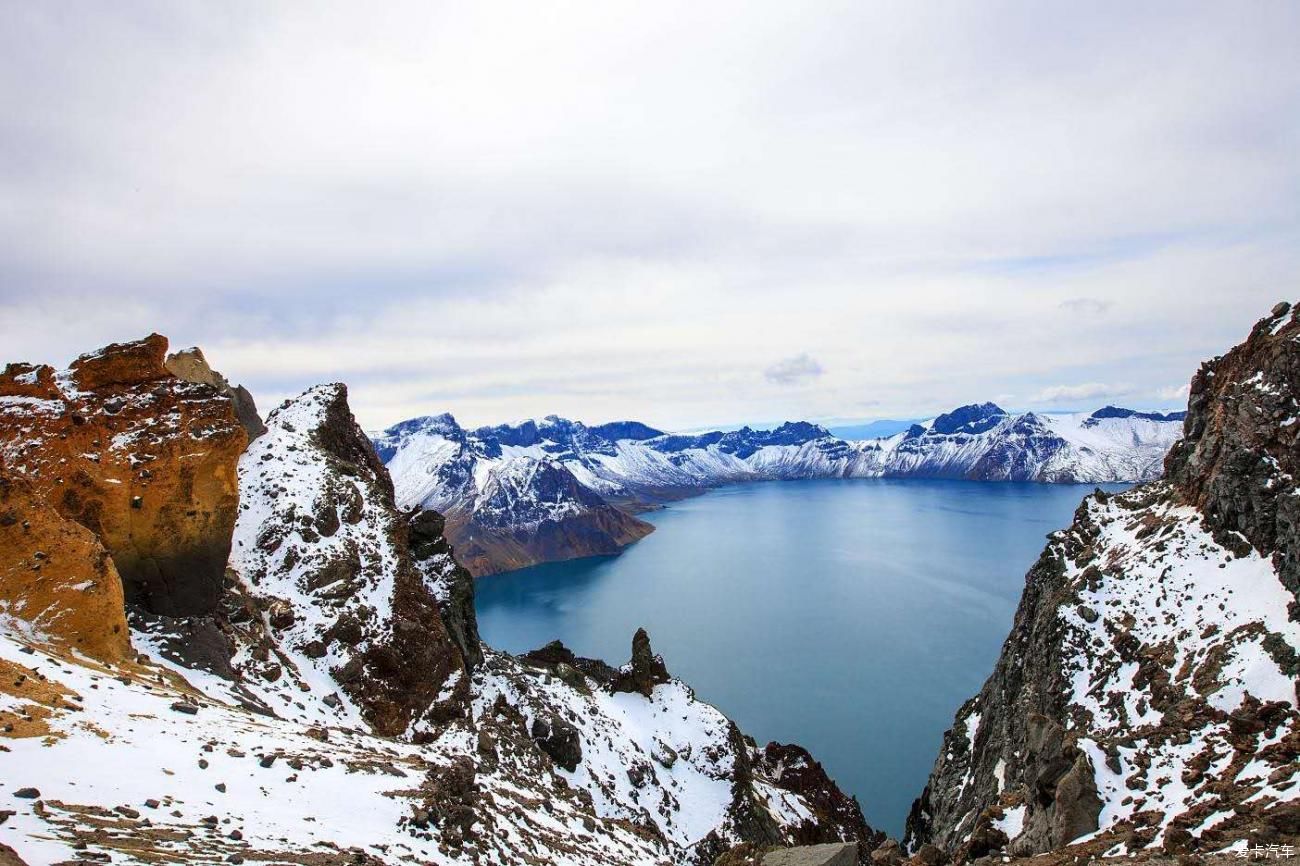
{"x": 142, "y": 459}
{"x": 323, "y": 547}
{"x": 1240, "y": 454}
{"x": 645, "y": 671}
{"x": 192, "y": 366}
{"x": 1146, "y": 698}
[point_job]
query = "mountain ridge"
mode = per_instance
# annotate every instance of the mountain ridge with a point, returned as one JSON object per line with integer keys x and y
{"x": 593, "y": 478}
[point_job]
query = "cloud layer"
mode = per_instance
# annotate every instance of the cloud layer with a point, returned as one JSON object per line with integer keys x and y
{"x": 617, "y": 209}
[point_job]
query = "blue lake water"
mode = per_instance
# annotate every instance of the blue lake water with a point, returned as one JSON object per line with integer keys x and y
{"x": 850, "y": 616}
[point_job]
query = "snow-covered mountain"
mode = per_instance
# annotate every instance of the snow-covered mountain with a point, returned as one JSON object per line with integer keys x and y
{"x": 556, "y": 489}
{"x": 217, "y": 651}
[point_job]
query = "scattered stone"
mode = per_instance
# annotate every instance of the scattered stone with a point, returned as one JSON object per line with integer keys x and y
{"x": 186, "y": 708}
{"x": 832, "y": 854}
{"x": 126, "y": 811}
{"x": 151, "y": 804}
{"x": 27, "y": 793}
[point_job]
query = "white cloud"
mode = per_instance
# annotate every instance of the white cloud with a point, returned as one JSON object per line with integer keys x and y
{"x": 789, "y": 371}
{"x": 507, "y": 210}
{"x": 1174, "y": 392}
{"x": 1086, "y": 391}
{"x": 1085, "y": 306}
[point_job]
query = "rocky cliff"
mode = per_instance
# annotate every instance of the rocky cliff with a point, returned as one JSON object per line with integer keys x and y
{"x": 323, "y": 697}
{"x": 1146, "y": 698}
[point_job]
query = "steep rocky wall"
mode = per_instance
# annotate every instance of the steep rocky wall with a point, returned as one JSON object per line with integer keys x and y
{"x": 1147, "y": 695}
{"x": 1240, "y": 453}
{"x": 142, "y": 459}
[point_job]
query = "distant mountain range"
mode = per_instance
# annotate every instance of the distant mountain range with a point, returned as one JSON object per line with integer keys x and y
{"x": 516, "y": 495}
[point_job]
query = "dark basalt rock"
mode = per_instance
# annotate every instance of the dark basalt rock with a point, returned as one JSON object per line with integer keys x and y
{"x": 644, "y": 672}
{"x": 427, "y": 542}
{"x": 975, "y": 418}
{"x": 837, "y": 815}
{"x": 555, "y": 655}
{"x": 1240, "y": 452}
{"x": 560, "y": 740}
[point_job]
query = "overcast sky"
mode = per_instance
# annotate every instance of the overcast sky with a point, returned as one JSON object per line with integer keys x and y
{"x": 685, "y": 213}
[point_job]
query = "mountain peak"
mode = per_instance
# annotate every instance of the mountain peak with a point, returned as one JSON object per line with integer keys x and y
{"x": 972, "y": 418}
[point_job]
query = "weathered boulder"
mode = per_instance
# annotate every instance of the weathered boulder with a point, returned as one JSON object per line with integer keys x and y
{"x": 133, "y": 363}
{"x": 560, "y": 740}
{"x": 142, "y": 459}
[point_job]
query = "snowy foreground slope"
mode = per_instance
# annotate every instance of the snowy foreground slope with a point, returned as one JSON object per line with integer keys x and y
{"x": 332, "y": 703}
{"x": 1146, "y": 698}
{"x": 515, "y": 495}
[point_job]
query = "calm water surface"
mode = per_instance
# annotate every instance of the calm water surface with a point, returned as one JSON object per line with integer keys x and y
{"x": 850, "y": 616}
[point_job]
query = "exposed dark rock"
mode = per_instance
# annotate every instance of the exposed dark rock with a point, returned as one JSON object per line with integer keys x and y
{"x": 836, "y": 815}
{"x": 555, "y": 655}
{"x": 560, "y": 740}
{"x": 645, "y": 671}
{"x": 1240, "y": 452}
{"x": 433, "y": 554}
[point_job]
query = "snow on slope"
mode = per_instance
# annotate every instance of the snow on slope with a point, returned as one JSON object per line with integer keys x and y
{"x": 107, "y": 741}
{"x": 127, "y": 776}
{"x": 1145, "y": 697}
{"x": 1220, "y": 618}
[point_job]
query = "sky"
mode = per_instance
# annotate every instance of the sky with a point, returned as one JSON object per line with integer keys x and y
{"x": 688, "y": 214}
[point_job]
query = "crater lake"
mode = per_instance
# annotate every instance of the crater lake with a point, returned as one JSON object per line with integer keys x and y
{"x": 852, "y": 617}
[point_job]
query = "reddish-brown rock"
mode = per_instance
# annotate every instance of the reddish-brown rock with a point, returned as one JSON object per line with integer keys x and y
{"x": 56, "y": 575}
{"x": 142, "y": 459}
{"x": 121, "y": 364}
